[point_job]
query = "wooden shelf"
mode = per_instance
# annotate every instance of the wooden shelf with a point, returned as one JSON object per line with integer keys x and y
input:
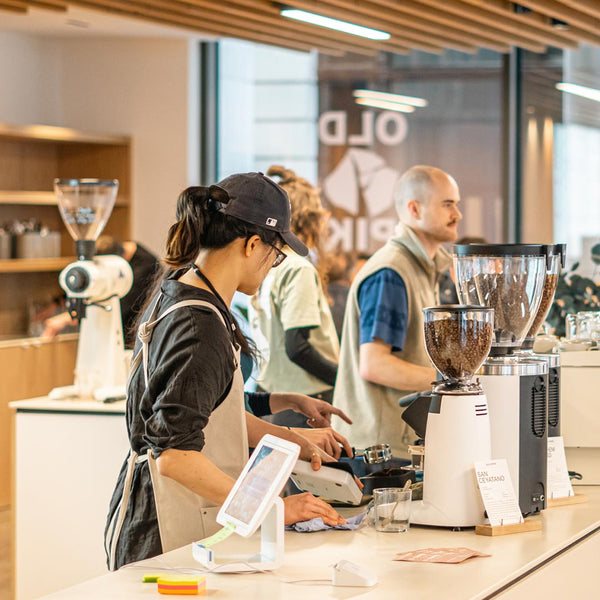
{"x": 48, "y": 133}
{"x": 31, "y": 157}
{"x": 37, "y": 198}
{"x": 34, "y": 198}
{"x": 28, "y": 265}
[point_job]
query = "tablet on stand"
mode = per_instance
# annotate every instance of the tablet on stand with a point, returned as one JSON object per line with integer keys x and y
{"x": 254, "y": 501}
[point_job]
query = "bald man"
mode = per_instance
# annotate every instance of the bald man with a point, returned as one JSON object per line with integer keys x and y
{"x": 383, "y": 353}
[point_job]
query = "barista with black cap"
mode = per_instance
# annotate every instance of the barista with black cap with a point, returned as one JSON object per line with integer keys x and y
{"x": 187, "y": 426}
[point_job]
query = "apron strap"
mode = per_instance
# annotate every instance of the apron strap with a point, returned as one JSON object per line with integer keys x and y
{"x": 119, "y": 517}
{"x": 145, "y": 334}
{"x": 146, "y": 329}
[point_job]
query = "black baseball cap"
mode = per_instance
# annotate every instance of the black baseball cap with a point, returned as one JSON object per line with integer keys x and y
{"x": 254, "y": 198}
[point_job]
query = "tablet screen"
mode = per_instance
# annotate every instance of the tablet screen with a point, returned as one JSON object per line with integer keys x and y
{"x": 261, "y": 475}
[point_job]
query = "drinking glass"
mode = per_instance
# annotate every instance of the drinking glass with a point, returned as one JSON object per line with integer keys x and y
{"x": 392, "y": 509}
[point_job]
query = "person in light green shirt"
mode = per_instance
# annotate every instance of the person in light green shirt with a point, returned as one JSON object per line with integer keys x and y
{"x": 290, "y": 316}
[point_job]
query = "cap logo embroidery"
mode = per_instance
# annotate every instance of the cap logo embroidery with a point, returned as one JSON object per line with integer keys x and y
{"x": 271, "y": 222}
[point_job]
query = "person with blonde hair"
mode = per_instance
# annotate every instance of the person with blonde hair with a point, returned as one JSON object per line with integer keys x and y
{"x": 299, "y": 346}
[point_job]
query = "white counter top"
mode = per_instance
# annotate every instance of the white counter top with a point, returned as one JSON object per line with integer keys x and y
{"x": 310, "y": 556}
{"x": 67, "y": 456}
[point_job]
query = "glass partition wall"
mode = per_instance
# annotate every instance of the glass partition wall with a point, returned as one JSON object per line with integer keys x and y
{"x": 561, "y": 141}
{"x": 307, "y": 112}
{"x": 451, "y": 118}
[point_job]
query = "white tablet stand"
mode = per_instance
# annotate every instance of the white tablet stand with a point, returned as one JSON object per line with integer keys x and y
{"x": 271, "y": 548}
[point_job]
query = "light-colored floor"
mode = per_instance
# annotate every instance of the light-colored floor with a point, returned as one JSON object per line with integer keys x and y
{"x": 5, "y": 554}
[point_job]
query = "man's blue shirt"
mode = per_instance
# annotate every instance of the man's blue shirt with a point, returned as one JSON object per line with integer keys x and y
{"x": 383, "y": 306}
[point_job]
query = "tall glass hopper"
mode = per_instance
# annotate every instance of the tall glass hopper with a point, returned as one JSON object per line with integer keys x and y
{"x": 508, "y": 278}
{"x": 85, "y": 206}
{"x": 556, "y": 261}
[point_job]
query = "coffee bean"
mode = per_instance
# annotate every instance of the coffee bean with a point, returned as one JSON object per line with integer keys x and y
{"x": 550, "y": 284}
{"x": 508, "y": 296}
{"x": 458, "y": 346}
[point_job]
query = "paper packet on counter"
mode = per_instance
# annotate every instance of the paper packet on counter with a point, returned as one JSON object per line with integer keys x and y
{"x": 439, "y": 555}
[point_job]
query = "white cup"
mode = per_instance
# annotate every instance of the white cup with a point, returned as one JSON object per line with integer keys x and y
{"x": 392, "y": 509}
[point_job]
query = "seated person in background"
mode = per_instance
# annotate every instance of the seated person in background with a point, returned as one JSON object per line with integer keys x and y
{"x": 448, "y": 293}
{"x": 145, "y": 266}
{"x": 291, "y": 309}
{"x": 341, "y": 265}
{"x": 359, "y": 263}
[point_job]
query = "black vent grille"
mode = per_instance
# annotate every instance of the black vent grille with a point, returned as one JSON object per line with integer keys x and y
{"x": 553, "y": 399}
{"x": 538, "y": 408}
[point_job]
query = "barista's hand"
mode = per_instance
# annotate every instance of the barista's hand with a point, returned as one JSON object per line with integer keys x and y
{"x": 328, "y": 440}
{"x": 303, "y": 507}
{"x": 308, "y": 450}
{"x": 54, "y": 325}
{"x": 318, "y": 411}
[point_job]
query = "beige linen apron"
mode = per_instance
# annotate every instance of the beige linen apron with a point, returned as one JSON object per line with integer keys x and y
{"x": 183, "y": 516}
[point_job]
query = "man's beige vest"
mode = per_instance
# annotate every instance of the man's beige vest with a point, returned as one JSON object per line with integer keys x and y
{"x": 374, "y": 408}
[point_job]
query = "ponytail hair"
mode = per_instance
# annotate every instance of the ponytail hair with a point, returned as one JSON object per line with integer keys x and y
{"x": 202, "y": 224}
{"x": 183, "y": 239}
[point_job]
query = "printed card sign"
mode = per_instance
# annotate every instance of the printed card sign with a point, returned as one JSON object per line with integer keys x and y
{"x": 497, "y": 492}
{"x": 439, "y": 555}
{"x": 558, "y": 482}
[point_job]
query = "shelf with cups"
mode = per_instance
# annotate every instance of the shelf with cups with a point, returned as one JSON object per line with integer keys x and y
{"x": 31, "y": 157}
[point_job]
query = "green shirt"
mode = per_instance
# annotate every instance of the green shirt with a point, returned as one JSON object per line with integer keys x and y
{"x": 292, "y": 296}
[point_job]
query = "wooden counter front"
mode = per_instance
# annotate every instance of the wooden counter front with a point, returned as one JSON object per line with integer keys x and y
{"x": 30, "y": 367}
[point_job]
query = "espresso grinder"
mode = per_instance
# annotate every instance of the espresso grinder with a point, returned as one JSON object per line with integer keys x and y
{"x": 457, "y": 434}
{"x": 556, "y": 261}
{"x": 94, "y": 286}
{"x": 510, "y": 279}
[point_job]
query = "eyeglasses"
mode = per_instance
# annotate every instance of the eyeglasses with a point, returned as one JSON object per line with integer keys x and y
{"x": 280, "y": 256}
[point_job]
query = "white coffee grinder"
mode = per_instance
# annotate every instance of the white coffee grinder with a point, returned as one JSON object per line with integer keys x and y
{"x": 94, "y": 286}
{"x": 510, "y": 279}
{"x": 457, "y": 339}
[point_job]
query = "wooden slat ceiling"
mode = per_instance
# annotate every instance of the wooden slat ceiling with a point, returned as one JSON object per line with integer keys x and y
{"x": 427, "y": 25}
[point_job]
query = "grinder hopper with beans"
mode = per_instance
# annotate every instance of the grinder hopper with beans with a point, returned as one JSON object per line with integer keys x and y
{"x": 457, "y": 434}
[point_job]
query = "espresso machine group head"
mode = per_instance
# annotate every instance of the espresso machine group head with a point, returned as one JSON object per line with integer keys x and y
{"x": 93, "y": 286}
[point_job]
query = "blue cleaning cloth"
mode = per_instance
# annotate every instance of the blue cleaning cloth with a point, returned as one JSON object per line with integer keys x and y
{"x": 318, "y": 525}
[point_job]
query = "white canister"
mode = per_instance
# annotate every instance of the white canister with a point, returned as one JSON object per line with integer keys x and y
{"x": 5, "y": 245}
